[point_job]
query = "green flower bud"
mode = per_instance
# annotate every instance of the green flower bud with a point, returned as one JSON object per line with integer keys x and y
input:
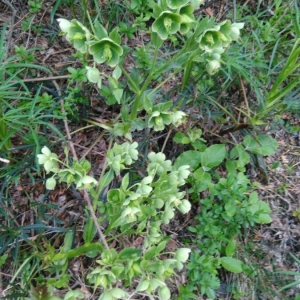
{"x": 93, "y": 75}
{"x": 182, "y": 254}
{"x": 64, "y": 25}
{"x": 50, "y": 183}
{"x": 212, "y": 67}
{"x": 185, "y": 206}
{"x": 235, "y": 30}
{"x": 216, "y": 54}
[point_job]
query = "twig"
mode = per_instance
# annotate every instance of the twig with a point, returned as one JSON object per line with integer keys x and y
{"x": 85, "y": 193}
{"x": 244, "y": 93}
{"x": 12, "y": 21}
{"x": 166, "y": 140}
{"x": 42, "y": 78}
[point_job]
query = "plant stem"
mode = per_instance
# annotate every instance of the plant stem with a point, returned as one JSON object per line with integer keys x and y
{"x": 85, "y": 192}
{"x": 136, "y": 103}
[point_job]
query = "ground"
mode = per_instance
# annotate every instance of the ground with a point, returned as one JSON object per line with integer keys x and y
{"x": 272, "y": 245}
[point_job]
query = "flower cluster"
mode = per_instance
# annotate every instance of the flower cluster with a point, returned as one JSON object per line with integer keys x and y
{"x": 120, "y": 155}
{"x": 103, "y": 47}
{"x": 160, "y": 116}
{"x": 173, "y": 16}
{"x": 156, "y": 197}
{"x": 215, "y": 39}
{"x": 77, "y": 173}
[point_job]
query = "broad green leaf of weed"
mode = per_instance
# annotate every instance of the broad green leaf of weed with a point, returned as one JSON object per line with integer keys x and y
{"x": 230, "y": 248}
{"x": 191, "y": 158}
{"x": 261, "y": 144}
{"x": 3, "y": 259}
{"x": 202, "y": 179}
{"x": 213, "y": 156}
{"x": 231, "y": 264}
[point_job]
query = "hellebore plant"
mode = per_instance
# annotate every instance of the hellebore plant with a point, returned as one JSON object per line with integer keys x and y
{"x": 139, "y": 205}
{"x": 145, "y": 205}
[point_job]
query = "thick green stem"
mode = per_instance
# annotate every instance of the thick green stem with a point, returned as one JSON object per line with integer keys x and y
{"x": 78, "y": 251}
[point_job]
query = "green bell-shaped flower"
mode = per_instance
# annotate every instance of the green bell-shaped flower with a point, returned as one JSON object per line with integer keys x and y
{"x": 49, "y": 160}
{"x": 187, "y": 18}
{"x": 76, "y": 33}
{"x": 158, "y": 120}
{"x": 175, "y": 4}
{"x": 178, "y": 118}
{"x": 210, "y": 39}
{"x": 106, "y": 50}
{"x": 225, "y": 30}
{"x": 167, "y": 23}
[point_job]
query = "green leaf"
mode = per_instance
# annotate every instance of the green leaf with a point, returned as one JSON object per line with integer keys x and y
{"x": 231, "y": 264}
{"x": 125, "y": 182}
{"x": 3, "y": 259}
{"x": 129, "y": 254}
{"x": 264, "y": 219}
{"x": 174, "y": 4}
{"x": 230, "y": 248}
{"x": 106, "y": 180}
{"x": 261, "y": 144}
{"x": 230, "y": 209}
{"x": 118, "y": 293}
{"x": 117, "y": 73}
{"x": 213, "y": 156}
{"x": 143, "y": 285}
{"x": 181, "y": 138}
{"x": 190, "y": 157}
{"x": 151, "y": 253}
{"x": 202, "y": 178}
{"x": 156, "y": 40}
{"x": 118, "y": 93}
{"x": 89, "y": 231}
{"x": 161, "y": 246}
{"x": 100, "y": 31}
